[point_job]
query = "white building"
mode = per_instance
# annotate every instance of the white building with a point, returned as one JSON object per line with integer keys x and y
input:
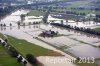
{"x": 32, "y": 19}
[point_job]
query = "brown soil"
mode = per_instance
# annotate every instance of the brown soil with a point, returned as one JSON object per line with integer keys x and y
{"x": 53, "y": 53}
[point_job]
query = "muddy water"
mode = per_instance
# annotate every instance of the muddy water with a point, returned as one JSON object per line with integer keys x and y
{"x": 84, "y": 51}
{"x": 77, "y": 43}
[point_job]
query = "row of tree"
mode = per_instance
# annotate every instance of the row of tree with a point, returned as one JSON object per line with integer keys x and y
{"x": 6, "y": 10}
{"x": 87, "y": 30}
{"x": 13, "y": 52}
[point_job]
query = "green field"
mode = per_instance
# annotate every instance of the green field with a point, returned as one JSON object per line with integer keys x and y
{"x": 76, "y": 5}
{"x": 97, "y": 29}
{"x": 25, "y": 47}
{"x": 6, "y": 59}
{"x": 2, "y": 36}
{"x": 36, "y": 13}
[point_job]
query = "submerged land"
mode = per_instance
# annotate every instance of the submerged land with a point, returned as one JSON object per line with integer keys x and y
{"x": 65, "y": 30}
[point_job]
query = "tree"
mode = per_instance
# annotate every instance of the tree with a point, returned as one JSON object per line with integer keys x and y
{"x": 13, "y": 52}
{"x": 19, "y": 59}
{"x": 18, "y": 23}
{"x": 0, "y": 41}
{"x": 31, "y": 59}
{"x": 22, "y": 16}
{"x": 66, "y": 22}
{"x": 24, "y": 62}
{"x": 3, "y": 43}
{"x": 5, "y": 40}
{"x": 77, "y": 20}
{"x": 62, "y": 22}
{"x": 46, "y": 16}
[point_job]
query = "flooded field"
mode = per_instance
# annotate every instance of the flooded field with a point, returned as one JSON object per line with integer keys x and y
{"x": 81, "y": 45}
{"x": 77, "y": 43}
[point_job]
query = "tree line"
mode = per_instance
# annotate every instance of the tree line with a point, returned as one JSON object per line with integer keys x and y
{"x": 87, "y": 30}
{"x": 6, "y": 10}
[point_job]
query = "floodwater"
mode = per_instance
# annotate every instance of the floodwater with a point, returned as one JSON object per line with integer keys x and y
{"x": 21, "y": 32}
{"x": 84, "y": 51}
{"x": 88, "y": 24}
{"x": 77, "y": 43}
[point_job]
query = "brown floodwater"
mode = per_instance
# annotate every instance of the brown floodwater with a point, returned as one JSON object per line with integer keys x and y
{"x": 77, "y": 43}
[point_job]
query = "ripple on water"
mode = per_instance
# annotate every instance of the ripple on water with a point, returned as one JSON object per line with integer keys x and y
{"x": 84, "y": 51}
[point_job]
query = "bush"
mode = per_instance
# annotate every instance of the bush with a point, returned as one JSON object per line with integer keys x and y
{"x": 13, "y": 52}
{"x": 19, "y": 59}
{"x": 5, "y": 40}
{"x": 24, "y": 62}
{"x": 87, "y": 30}
{"x": 3, "y": 43}
{"x": 31, "y": 59}
{"x": 0, "y": 41}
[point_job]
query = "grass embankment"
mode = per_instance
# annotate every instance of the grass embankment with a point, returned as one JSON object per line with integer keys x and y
{"x": 25, "y": 47}
{"x": 5, "y": 58}
{"x": 97, "y": 29}
{"x": 36, "y": 13}
{"x": 2, "y": 36}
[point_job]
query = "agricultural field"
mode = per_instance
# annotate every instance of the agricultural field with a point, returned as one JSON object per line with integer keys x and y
{"x": 36, "y": 13}
{"x": 76, "y": 6}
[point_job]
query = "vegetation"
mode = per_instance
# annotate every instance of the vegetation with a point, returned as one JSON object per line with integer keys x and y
{"x": 6, "y": 10}
{"x": 22, "y": 16}
{"x": 87, "y": 30}
{"x": 13, "y": 52}
{"x": 25, "y": 47}
{"x": 36, "y": 13}
{"x": 7, "y": 54}
{"x": 49, "y": 33}
{"x": 2, "y": 36}
{"x": 30, "y": 58}
{"x": 19, "y": 59}
{"x": 97, "y": 29}
{"x": 6, "y": 59}
{"x": 46, "y": 17}
{"x": 16, "y": 46}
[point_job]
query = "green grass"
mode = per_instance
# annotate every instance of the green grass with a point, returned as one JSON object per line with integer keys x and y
{"x": 6, "y": 59}
{"x": 76, "y": 4}
{"x": 2, "y": 36}
{"x": 97, "y": 29}
{"x": 25, "y": 47}
{"x": 36, "y": 13}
